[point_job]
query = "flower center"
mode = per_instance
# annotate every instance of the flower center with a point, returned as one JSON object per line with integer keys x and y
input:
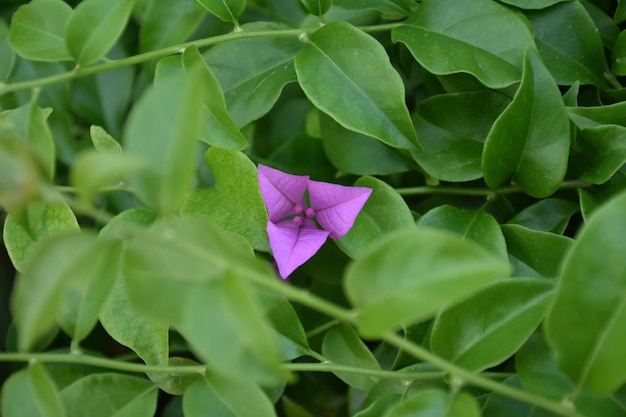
{"x": 302, "y": 213}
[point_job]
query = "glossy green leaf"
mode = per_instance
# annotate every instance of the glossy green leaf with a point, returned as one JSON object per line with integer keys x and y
{"x": 20, "y": 178}
{"x": 317, "y": 7}
{"x": 147, "y": 338}
{"x": 587, "y": 321}
{"x": 235, "y": 202}
{"x": 39, "y": 293}
{"x": 475, "y": 225}
{"x": 596, "y": 116}
{"x": 227, "y": 10}
{"x": 453, "y": 129}
{"x": 620, "y": 12}
{"x": 354, "y": 153}
{"x": 220, "y": 129}
{"x": 532, "y": 4}
{"x": 24, "y": 228}
{"x": 37, "y": 30}
{"x": 542, "y": 251}
{"x": 491, "y": 326}
{"x": 487, "y": 40}
{"x": 548, "y": 215}
{"x": 167, "y": 23}
{"x": 29, "y": 123}
{"x": 594, "y": 197}
{"x": 569, "y": 44}
{"x": 342, "y": 346}
{"x": 220, "y": 395}
{"x": 94, "y": 27}
{"x": 384, "y": 212}
{"x": 109, "y": 394}
{"x": 45, "y": 391}
{"x": 7, "y": 55}
{"x": 529, "y": 142}
{"x": 618, "y": 63}
{"x": 431, "y": 402}
{"x": 431, "y": 270}
{"x": 600, "y": 153}
{"x": 253, "y": 72}
{"x": 347, "y": 75}
{"x": 103, "y": 142}
{"x": 163, "y": 129}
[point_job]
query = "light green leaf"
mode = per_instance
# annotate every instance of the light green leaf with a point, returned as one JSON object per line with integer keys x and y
{"x": 103, "y": 142}
{"x": 253, "y": 72}
{"x": 486, "y": 40}
{"x": 45, "y": 392}
{"x": 491, "y": 326}
{"x": 384, "y": 212}
{"x": 569, "y": 44}
{"x": 542, "y": 251}
{"x": 587, "y": 321}
{"x": 20, "y": 178}
{"x": 109, "y": 394}
{"x": 37, "y": 30}
{"x": 18, "y": 398}
{"x": 94, "y": 27}
{"x": 343, "y": 346}
{"x": 7, "y": 55}
{"x": 220, "y": 129}
{"x": 431, "y": 269}
{"x": 38, "y": 220}
{"x": 220, "y": 395}
{"x": 529, "y": 142}
{"x": 39, "y": 292}
{"x": 475, "y": 225}
{"x": 163, "y": 129}
{"x": 235, "y": 202}
{"x": 347, "y": 75}
{"x": 227, "y": 10}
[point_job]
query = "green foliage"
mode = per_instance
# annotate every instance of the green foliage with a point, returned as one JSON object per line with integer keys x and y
{"x": 484, "y": 275}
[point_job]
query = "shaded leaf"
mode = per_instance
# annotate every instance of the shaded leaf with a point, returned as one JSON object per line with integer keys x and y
{"x": 7, "y": 55}
{"x": 548, "y": 215}
{"x": 227, "y": 10}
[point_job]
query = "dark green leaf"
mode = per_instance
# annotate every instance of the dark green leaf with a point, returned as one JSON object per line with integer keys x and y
{"x": 431, "y": 270}
{"x": 532, "y": 4}
{"x": 235, "y": 202}
{"x": 227, "y": 10}
{"x": 587, "y": 321}
{"x": 475, "y": 225}
{"x": 342, "y": 346}
{"x": 163, "y": 129}
{"x": 491, "y": 326}
{"x": 384, "y": 212}
{"x": 347, "y": 75}
{"x": 110, "y": 395}
{"x": 600, "y": 153}
{"x": 549, "y": 215}
{"x": 529, "y": 142}
{"x": 317, "y": 7}
{"x": 618, "y": 64}
{"x": 283, "y": 318}
{"x": 486, "y": 40}
{"x": 94, "y": 27}
{"x": 432, "y": 402}
{"x": 398, "y": 8}
{"x": 37, "y": 30}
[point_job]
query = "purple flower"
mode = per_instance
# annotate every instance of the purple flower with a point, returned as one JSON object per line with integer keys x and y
{"x": 293, "y": 225}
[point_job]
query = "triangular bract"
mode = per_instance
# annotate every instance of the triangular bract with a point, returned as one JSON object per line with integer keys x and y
{"x": 281, "y": 191}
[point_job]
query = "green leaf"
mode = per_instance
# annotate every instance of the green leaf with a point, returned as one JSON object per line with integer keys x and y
{"x": 253, "y": 72}
{"x": 103, "y": 142}
{"x": 39, "y": 293}
{"x": 569, "y": 44}
{"x": 94, "y": 27}
{"x": 532, "y": 4}
{"x": 354, "y": 153}
{"x": 45, "y": 392}
{"x": 109, "y": 394}
{"x": 37, "y": 30}
{"x": 431, "y": 402}
{"x": 283, "y": 318}
{"x": 317, "y": 7}
{"x": 431, "y": 270}
{"x": 29, "y": 123}
{"x": 7, "y": 55}
{"x": 618, "y": 63}
{"x": 548, "y": 215}
{"x": 220, "y": 129}
{"x": 18, "y": 398}
{"x": 384, "y": 212}
{"x": 343, "y": 346}
{"x": 475, "y": 225}
{"x": 163, "y": 129}
{"x": 38, "y": 220}
{"x": 529, "y": 142}
{"x": 20, "y": 178}
{"x": 587, "y": 321}
{"x": 347, "y": 75}
{"x": 235, "y": 202}
{"x": 600, "y": 152}
{"x": 398, "y": 8}
{"x": 542, "y": 251}
{"x": 453, "y": 129}
{"x": 491, "y": 326}
{"x": 178, "y": 384}
{"x": 220, "y": 395}
{"x": 227, "y": 10}
{"x": 487, "y": 40}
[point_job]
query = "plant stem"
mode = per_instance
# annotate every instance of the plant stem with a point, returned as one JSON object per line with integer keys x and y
{"x": 374, "y": 373}
{"x": 78, "y": 72}
{"x": 484, "y": 192}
